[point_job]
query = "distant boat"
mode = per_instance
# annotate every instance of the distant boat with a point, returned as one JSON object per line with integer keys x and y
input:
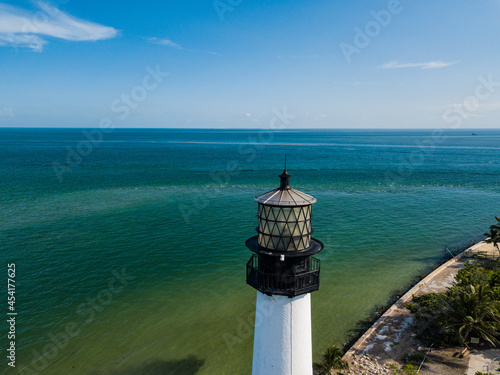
{"x": 474, "y": 133}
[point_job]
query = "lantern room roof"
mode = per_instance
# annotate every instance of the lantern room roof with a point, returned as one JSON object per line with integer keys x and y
{"x": 285, "y": 195}
{"x": 282, "y": 197}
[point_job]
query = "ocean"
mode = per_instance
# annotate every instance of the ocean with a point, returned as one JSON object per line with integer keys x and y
{"x": 129, "y": 245}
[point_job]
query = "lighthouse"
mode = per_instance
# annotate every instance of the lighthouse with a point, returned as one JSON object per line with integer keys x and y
{"x": 284, "y": 272}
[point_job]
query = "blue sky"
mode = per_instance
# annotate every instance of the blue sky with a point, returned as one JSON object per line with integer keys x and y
{"x": 230, "y": 63}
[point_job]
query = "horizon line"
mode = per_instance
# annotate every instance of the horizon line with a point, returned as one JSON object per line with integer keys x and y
{"x": 254, "y": 129}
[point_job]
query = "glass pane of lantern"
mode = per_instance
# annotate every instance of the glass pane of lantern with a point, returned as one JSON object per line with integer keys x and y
{"x": 308, "y": 226}
{"x": 286, "y": 243}
{"x": 263, "y": 240}
{"x": 304, "y": 242}
{"x": 283, "y": 227}
{"x": 260, "y": 210}
{"x": 292, "y": 216}
{"x": 286, "y": 230}
{"x": 307, "y": 241}
{"x": 301, "y": 214}
{"x": 300, "y": 226}
{"x": 307, "y": 212}
{"x": 282, "y": 244}
{"x": 296, "y": 212}
{"x": 286, "y": 212}
{"x": 296, "y": 229}
{"x": 279, "y": 244}
{"x": 279, "y": 216}
{"x": 270, "y": 242}
{"x": 274, "y": 212}
{"x": 291, "y": 245}
{"x": 267, "y": 212}
{"x": 297, "y": 243}
{"x": 267, "y": 209}
{"x": 266, "y": 228}
{"x": 271, "y": 225}
{"x": 259, "y": 240}
{"x": 275, "y": 242}
{"x": 276, "y": 229}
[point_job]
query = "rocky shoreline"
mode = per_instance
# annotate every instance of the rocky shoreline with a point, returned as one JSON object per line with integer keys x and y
{"x": 380, "y": 350}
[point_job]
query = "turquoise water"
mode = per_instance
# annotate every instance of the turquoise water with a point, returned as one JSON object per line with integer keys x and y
{"x": 171, "y": 210}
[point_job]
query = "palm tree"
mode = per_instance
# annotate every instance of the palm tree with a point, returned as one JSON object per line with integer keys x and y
{"x": 474, "y": 311}
{"x": 333, "y": 358}
{"x": 494, "y": 235}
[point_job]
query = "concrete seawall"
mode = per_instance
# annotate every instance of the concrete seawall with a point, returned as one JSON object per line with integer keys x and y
{"x": 390, "y": 337}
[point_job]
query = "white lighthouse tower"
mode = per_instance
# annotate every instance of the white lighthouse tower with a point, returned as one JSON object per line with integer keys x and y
{"x": 284, "y": 273}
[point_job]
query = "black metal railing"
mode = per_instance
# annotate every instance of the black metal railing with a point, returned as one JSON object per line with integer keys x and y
{"x": 287, "y": 284}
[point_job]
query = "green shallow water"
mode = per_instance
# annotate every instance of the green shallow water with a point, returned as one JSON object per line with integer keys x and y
{"x": 168, "y": 213}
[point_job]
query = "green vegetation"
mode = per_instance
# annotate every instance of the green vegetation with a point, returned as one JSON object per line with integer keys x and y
{"x": 392, "y": 366}
{"x": 494, "y": 234}
{"x": 411, "y": 307}
{"x": 470, "y": 308}
{"x": 415, "y": 358}
{"x": 332, "y": 359}
{"x": 410, "y": 369}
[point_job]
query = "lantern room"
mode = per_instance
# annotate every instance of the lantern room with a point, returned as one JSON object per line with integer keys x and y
{"x": 283, "y": 264}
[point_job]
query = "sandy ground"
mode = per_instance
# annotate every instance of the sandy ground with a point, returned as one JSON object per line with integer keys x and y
{"x": 485, "y": 361}
{"x": 390, "y": 338}
{"x": 446, "y": 362}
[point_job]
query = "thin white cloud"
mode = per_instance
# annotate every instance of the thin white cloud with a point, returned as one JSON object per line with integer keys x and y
{"x": 298, "y": 57}
{"x": 490, "y": 106}
{"x": 482, "y": 107}
{"x": 33, "y": 42}
{"x": 424, "y": 65}
{"x": 357, "y": 83}
{"x": 251, "y": 118}
{"x": 164, "y": 42}
{"x": 169, "y": 43}
{"x": 7, "y": 112}
{"x": 23, "y": 28}
{"x": 361, "y": 83}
